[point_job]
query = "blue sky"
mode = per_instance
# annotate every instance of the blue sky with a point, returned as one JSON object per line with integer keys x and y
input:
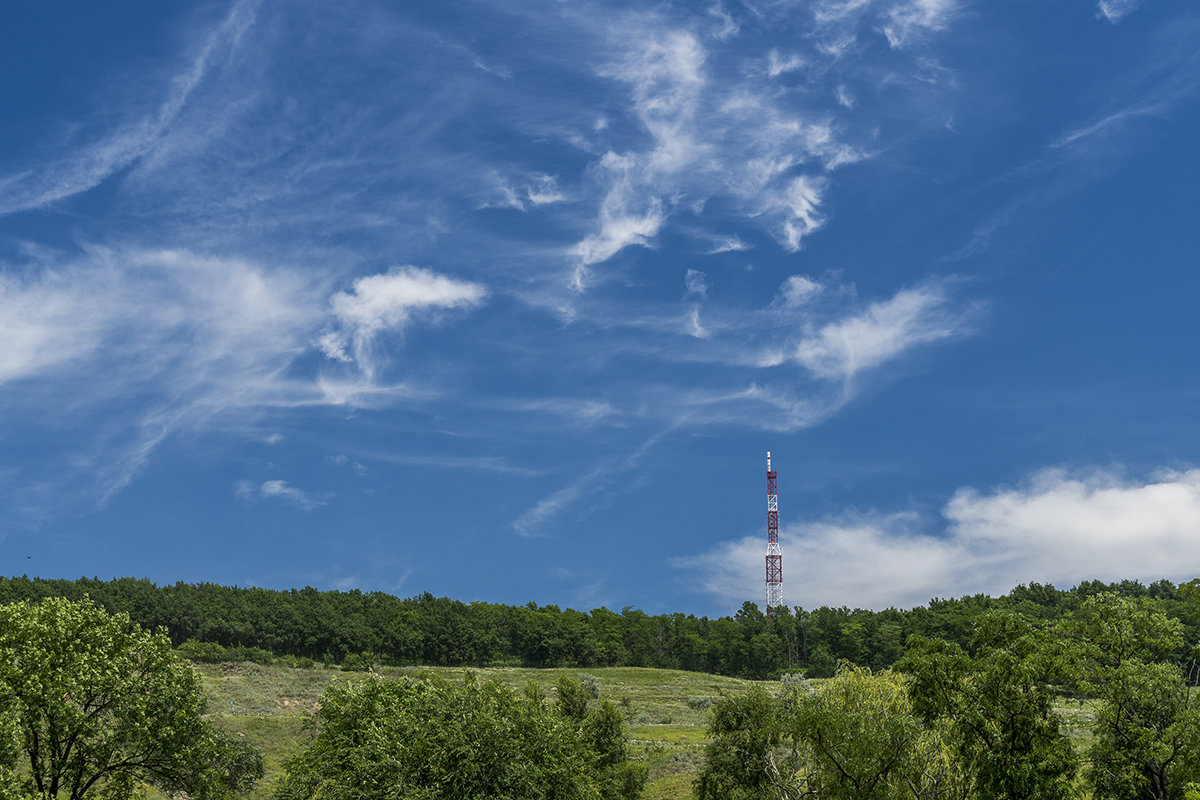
{"x": 508, "y": 302}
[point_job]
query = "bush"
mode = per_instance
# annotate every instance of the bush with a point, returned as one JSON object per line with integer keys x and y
{"x": 203, "y": 652}
{"x": 359, "y": 662}
{"x": 590, "y": 683}
{"x": 440, "y": 740}
{"x": 297, "y": 662}
{"x": 255, "y": 655}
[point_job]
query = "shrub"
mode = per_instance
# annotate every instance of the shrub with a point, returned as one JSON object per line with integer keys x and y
{"x": 203, "y": 652}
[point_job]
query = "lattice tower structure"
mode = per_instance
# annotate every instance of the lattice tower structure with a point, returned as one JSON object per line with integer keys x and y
{"x": 774, "y": 554}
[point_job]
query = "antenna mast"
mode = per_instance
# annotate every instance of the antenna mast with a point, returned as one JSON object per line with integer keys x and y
{"x": 774, "y": 554}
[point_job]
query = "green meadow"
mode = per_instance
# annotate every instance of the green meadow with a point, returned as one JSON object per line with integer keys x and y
{"x": 667, "y": 711}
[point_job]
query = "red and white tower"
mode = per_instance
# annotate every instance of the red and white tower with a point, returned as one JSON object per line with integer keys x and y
{"x": 774, "y": 554}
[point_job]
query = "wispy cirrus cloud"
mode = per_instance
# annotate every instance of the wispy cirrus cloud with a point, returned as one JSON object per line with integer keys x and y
{"x": 1116, "y": 10}
{"x": 909, "y": 17}
{"x": 681, "y": 123}
{"x": 523, "y": 193}
{"x": 1057, "y": 527}
{"x": 835, "y": 358}
{"x": 129, "y": 347}
{"x": 727, "y": 244}
{"x": 537, "y": 520}
{"x": 86, "y": 166}
{"x": 842, "y": 349}
{"x": 901, "y": 22}
{"x": 710, "y": 135}
{"x": 534, "y": 521}
{"x": 278, "y": 490}
{"x": 1106, "y": 125}
{"x": 496, "y": 464}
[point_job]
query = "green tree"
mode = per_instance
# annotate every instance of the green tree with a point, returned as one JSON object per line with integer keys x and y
{"x": 997, "y": 707}
{"x": 91, "y": 705}
{"x": 573, "y": 697}
{"x": 744, "y": 733}
{"x": 436, "y": 739}
{"x": 606, "y": 737}
{"x": 1147, "y": 731}
{"x": 858, "y": 740}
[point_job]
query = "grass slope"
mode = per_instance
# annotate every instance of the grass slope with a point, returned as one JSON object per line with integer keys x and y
{"x": 667, "y": 711}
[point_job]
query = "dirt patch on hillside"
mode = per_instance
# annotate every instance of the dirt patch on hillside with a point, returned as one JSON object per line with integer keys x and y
{"x": 298, "y": 703}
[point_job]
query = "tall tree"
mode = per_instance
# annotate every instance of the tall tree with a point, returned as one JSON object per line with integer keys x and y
{"x": 745, "y": 731}
{"x": 859, "y": 740}
{"x": 1147, "y": 731}
{"x": 998, "y": 706}
{"x": 91, "y": 705}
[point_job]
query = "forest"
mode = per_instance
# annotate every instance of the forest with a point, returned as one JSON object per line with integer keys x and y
{"x": 92, "y": 704}
{"x": 218, "y": 623}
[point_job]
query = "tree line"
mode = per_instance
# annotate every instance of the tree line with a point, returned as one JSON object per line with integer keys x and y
{"x": 93, "y": 705}
{"x": 227, "y": 622}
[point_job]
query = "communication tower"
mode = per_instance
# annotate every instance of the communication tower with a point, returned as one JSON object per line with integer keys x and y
{"x": 774, "y": 554}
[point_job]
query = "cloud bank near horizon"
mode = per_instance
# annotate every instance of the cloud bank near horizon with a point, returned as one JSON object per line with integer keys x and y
{"x": 1056, "y": 528}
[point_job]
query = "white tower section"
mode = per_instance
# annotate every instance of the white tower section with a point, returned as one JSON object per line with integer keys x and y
{"x": 774, "y": 554}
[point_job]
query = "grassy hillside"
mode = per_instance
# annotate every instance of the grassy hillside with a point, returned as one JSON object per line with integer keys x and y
{"x": 666, "y": 709}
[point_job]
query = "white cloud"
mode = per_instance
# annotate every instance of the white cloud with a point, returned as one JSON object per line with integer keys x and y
{"x": 1094, "y": 526}
{"x": 132, "y": 346}
{"x": 1116, "y": 10}
{"x": 503, "y": 196}
{"x": 841, "y": 349}
{"x": 536, "y": 520}
{"x": 537, "y": 190}
{"x": 734, "y": 136}
{"x": 91, "y": 164}
{"x": 584, "y": 412}
{"x": 728, "y": 244}
{"x": 156, "y": 308}
{"x": 861, "y": 561}
{"x": 909, "y": 17}
{"x": 697, "y": 288}
{"x": 533, "y": 522}
{"x": 665, "y": 76}
{"x": 1055, "y": 529}
{"x": 828, "y": 11}
{"x": 137, "y": 344}
{"x": 727, "y": 26}
{"x": 277, "y": 490}
{"x": 798, "y": 290}
{"x": 543, "y": 190}
{"x": 1102, "y": 126}
{"x": 379, "y": 303}
{"x": 837, "y": 46}
{"x": 621, "y": 225}
{"x": 778, "y": 64}
{"x": 798, "y": 205}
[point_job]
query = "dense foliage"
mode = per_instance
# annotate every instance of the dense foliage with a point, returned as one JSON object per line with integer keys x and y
{"x": 230, "y": 623}
{"x": 432, "y": 739}
{"x": 977, "y": 724}
{"x": 91, "y": 705}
